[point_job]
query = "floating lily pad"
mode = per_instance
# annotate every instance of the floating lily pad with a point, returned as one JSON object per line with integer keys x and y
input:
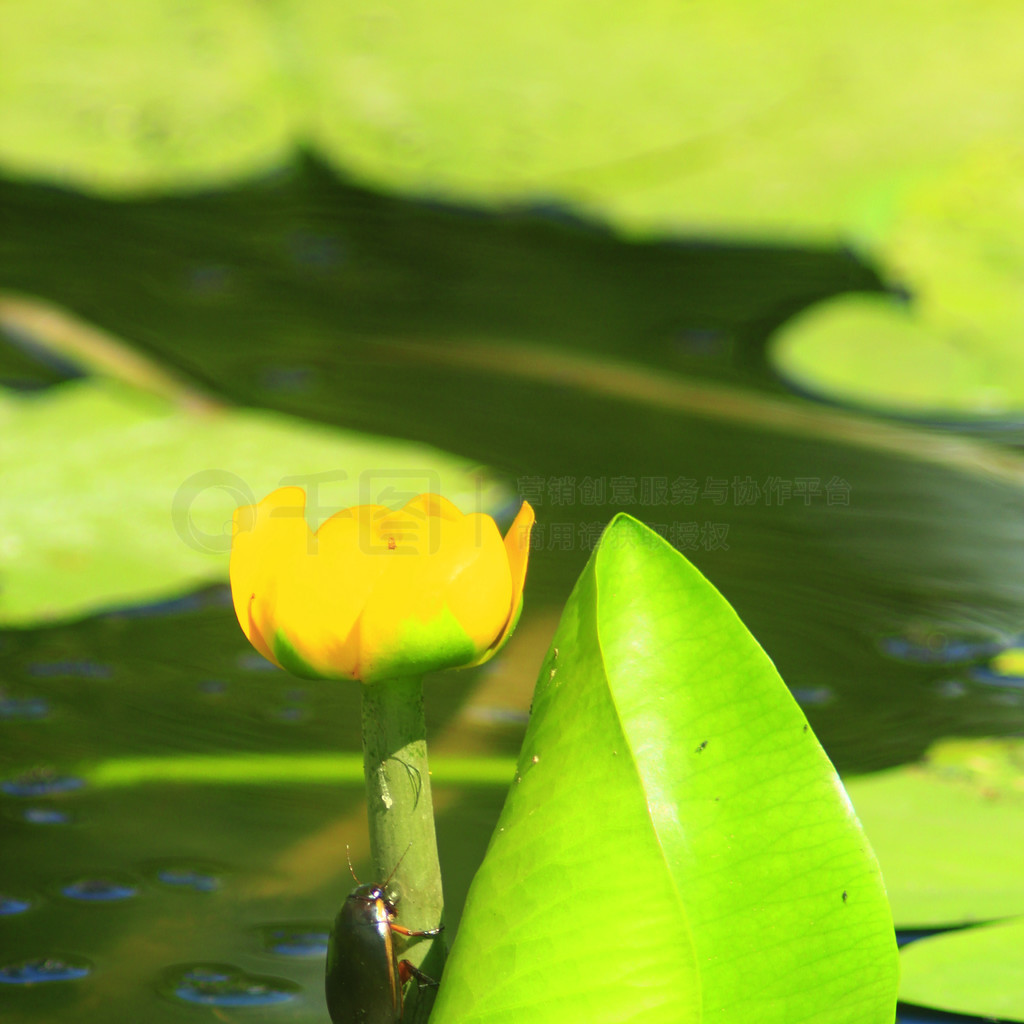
{"x": 975, "y": 971}
{"x": 949, "y": 832}
{"x": 113, "y": 497}
{"x": 717, "y": 117}
{"x": 118, "y": 94}
{"x": 952, "y": 349}
{"x": 722, "y": 120}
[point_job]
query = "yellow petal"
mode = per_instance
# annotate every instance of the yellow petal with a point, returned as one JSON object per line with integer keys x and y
{"x": 480, "y": 590}
{"x": 517, "y": 546}
{"x": 265, "y": 538}
{"x": 434, "y": 505}
{"x": 324, "y": 590}
{"x": 257, "y": 639}
{"x": 517, "y": 552}
{"x": 440, "y": 568}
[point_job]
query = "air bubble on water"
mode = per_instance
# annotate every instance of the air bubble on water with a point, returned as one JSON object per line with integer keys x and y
{"x": 35, "y": 970}
{"x": 224, "y": 985}
{"x": 23, "y": 708}
{"x": 812, "y": 696}
{"x": 11, "y": 905}
{"x": 296, "y": 939}
{"x": 41, "y": 782}
{"x": 186, "y": 875}
{"x": 291, "y": 713}
{"x": 44, "y": 816}
{"x": 181, "y": 877}
{"x": 250, "y": 661}
{"x": 936, "y": 647}
{"x": 950, "y": 688}
{"x": 100, "y": 890}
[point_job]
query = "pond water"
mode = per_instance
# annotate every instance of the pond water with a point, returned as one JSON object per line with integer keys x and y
{"x": 880, "y": 565}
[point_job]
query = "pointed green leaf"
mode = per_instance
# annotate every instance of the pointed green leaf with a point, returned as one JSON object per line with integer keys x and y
{"x": 676, "y": 845}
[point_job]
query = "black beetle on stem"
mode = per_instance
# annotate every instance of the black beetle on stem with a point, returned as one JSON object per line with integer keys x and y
{"x": 365, "y": 979}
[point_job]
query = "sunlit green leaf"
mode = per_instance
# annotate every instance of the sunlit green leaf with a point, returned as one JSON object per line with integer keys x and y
{"x": 676, "y": 845}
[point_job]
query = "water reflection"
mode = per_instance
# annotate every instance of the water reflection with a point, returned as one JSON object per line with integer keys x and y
{"x": 184, "y": 876}
{"x": 938, "y": 648}
{"x": 26, "y": 708}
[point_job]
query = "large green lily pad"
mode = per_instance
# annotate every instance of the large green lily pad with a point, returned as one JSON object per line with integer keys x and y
{"x": 975, "y": 971}
{"x": 949, "y": 832}
{"x": 727, "y": 117}
{"x": 892, "y": 127}
{"x": 141, "y": 95}
{"x": 676, "y": 845}
{"x": 113, "y": 496}
{"x": 953, "y": 348}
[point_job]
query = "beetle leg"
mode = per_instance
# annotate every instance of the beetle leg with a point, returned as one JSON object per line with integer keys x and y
{"x": 407, "y": 971}
{"x": 405, "y": 931}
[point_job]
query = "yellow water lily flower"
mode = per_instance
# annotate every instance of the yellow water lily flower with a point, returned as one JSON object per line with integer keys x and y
{"x": 376, "y": 593}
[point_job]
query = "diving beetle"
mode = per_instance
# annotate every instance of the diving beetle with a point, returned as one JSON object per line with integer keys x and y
{"x": 365, "y": 979}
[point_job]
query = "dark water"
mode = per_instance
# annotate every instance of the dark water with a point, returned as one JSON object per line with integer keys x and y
{"x": 881, "y": 575}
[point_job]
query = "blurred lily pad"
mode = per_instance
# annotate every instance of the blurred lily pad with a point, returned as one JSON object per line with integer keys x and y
{"x": 949, "y": 832}
{"x": 975, "y": 971}
{"x": 113, "y": 496}
{"x": 951, "y": 348}
{"x": 723, "y": 120}
{"x": 879, "y": 352}
{"x": 715, "y": 117}
{"x": 890, "y": 127}
{"x": 141, "y": 95}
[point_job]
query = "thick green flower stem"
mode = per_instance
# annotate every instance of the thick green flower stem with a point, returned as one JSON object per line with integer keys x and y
{"x": 401, "y": 817}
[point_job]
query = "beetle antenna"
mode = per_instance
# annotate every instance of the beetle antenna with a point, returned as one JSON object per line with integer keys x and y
{"x": 394, "y": 870}
{"x": 352, "y": 870}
